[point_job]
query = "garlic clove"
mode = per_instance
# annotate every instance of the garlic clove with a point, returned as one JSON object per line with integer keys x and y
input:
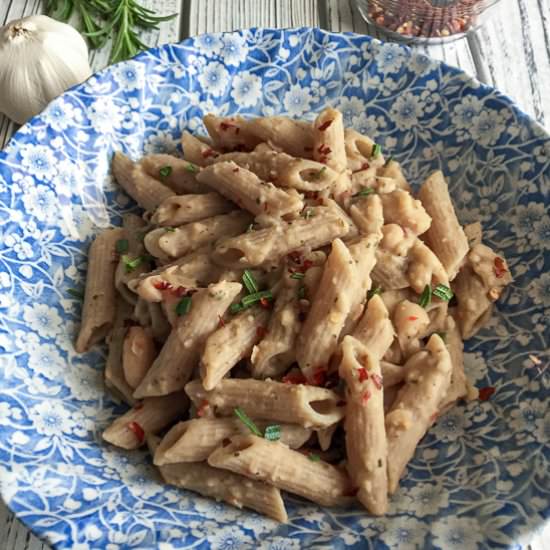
{"x": 40, "y": 58}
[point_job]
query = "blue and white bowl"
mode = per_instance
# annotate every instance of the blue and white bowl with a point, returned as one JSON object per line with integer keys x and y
{"x": 479, "y": 479}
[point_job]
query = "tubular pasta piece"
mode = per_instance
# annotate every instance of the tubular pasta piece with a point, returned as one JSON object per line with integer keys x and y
{"x": 307, "y": 406}
{"x": 231, "y": 133}
{"x": 197, "y": 151}
{"x": 445, "y": 235}
{"x": 366, "y": 442}
{"x": 138, "y": 354}
{"x": 284, "y": 468}
{"x": 411, "y": 322}
{"x": 98, "y": 312}
{"x": 182, "y": 176}
{"x": 426, "y": 382}
{"x": 180, "y": 353}
{"x": 226, "y": 486}
{"x": 230, "y": 343}
{"x": 195, "y": 440}
{"x": 152, "y": 415}
{"x": 328, "y": 140}
{"x": 148, "y": 192}
{"x": 184, "y": 209}
{"x": 375, "y": 330}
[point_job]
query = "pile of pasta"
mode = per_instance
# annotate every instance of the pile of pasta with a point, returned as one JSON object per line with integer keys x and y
{"x": 287, "y": 314}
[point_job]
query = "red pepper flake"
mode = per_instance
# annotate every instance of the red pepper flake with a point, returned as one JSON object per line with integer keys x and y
{"x": 324, "y": 149}
{"x": 319, "y": 376}
{"x": 265, "y": 303}
{"x": 209, "y": 153}
{"x": 363, "y": 374}
{"x": 202, "y": 408}
{"x": 162, "y": 285}
{"x": 365, "y": 397}
{"x": 235, "y": 169}
{"x": 412, "y": 318}
{"x": 138, "y": 405}
{"x": 325, "y": 125}
{"x": 307, "y": 265}
{"x": 377, "y": 380}
{"x": 351, "y": 492}
{"x": 138, "y": 430}
{"x": 226, "y": 125}
{"x": 221, "y": 322}
{"x": 261, "y": 332}
{"x": 485, "y": 393}
{"x": 500, "y": 268}
{"x": 179, "y": 292}
{"x": 297, "y": 378}
{"x": 295, "y": 257}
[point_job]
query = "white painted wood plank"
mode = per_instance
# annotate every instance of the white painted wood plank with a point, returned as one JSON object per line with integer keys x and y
{"x": 227, "y": 15}
{"x": 512, "y": 53}
{"x": 14, "y": 535}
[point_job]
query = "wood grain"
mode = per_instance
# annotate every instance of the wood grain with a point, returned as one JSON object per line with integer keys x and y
{"x": 516, "y": 40}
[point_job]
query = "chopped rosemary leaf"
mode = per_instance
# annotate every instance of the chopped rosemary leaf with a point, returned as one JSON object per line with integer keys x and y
{"x": 297, "y": 276}
{"x": 376, "y": 151}
{"x": 373, "y": 292}
{"x": 365, "y": 192}
{"x": 313, "y": 457}
{"x": 256, "y": 297}
{"x": 183, "y": 306}
{"x": 75, "y": 293}
{"x": 426, "y": 297}
{"x": 235, "y": 308}
{"x": 169, "y": 229}
{"x": 273, "y": 432}
{"x": 191, "y": 168}
{"x": 317, "y": 175}
{"x": 301, "y": 292}
{"x": 249, "y": 282}
{"x": 165, "y": 171}
{"x": 308, "y": 213}
{"x": 247, "y": 421}
{"x": 443, "y": 292}
{"x": 130, "y": 264}
{"x": 250, "y": 228}
{"x": 122, "y": 246}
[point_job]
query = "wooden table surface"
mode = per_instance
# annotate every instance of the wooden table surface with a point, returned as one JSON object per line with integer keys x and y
{"x": 512, "y": 53}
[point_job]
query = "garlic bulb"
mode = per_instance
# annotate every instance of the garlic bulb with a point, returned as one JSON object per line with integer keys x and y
{"x": 39, "y": 58}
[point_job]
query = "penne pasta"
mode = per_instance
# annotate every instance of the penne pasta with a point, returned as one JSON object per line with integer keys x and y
{"x": 255, "y": 458}
{"x": 180, "y": 353}
{"x": 192, "y": 236}
{"x": 416, "y": 405}
{"x": 375, "y": 330}
{"x": 148, "y": 417}
{"x": 328, "y": 140}
{"x": 231, "y": 488}
{"x": 307, "y": 406}
{"x": 138, "y": 353}
{"x": 148, "y": 192}
{"x": 360, "y": 152}
{"x": 366, "y": 443}
{"x": 445, "y": 236}
{"x": 194, "y": 440}
{"x": 294, "y": 137}
{"x": 231, "y": 133}
{"x": 367, "y": 214}
{"x": 268, "y": 246}
{"x": 131, "y": 242}
{"x": 98, "y": 312}
{"x": 274, "y": 353}
{"x": 244, "y": 188}
{"x": 197, "y": 151}
{"x": 184, "y": 209}
{"x": 230, "y": 343}
{"x": 411, "y": 322}
{"x": 177, "y": 174}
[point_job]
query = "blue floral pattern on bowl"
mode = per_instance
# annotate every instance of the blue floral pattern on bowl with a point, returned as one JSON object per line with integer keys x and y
{"x": 480, "y": 477}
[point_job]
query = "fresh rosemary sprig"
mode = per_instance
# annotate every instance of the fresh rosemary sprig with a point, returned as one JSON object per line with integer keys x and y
{"x": 101, "y": 20}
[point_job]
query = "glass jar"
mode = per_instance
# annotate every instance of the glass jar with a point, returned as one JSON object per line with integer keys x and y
{"x": 425, "y": 20}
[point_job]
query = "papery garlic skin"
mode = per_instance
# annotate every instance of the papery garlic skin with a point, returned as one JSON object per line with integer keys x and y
{"x": 39, "y": 59}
